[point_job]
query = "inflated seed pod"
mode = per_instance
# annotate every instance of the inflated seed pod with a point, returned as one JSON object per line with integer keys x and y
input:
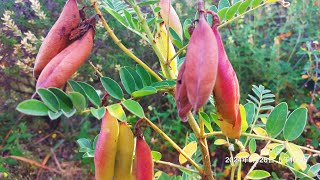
{"x": 170, "y": 17}
{"x": 181, "y": 96}
{"x": 58, "y": 37}
{"x": 66, "y": 63}
{"x": 106, "y": 148}
{"x": 142, "y": 164}
{"x": 123, "y": 164}
{"x": 201, "y": 64}
{"x": 226, "y": 90}
{"x": 166, "y": 47}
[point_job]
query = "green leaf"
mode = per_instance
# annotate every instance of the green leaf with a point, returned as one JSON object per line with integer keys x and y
{"x": 98, "y": 113}
{"x": 134, "y": 107}
{"x": 222, "y": 13}
{"x": 219, "y": 142}
{"x": 112, "y": 87}
{"x": 258, "y": 174}
{"x": 127, "y": 80}
{"x": 136, "y": 77}
{"x": 243, "y": 7}
{"x": 91, "y": 93}
{"x": 129, "y": 19}
{"x": 161, "y": 85}
{"x": 297, "y": 155}
{"x": 295, "y": 124}
{"x": 49, "y": 99}
{"x": 145, "y": 76}
{"x": 54, "y": 115}
{"x": 244, "y": 124}
{"x": 215, "y": 118}
{"x": 116, "y": 15}
{"x": 232, "y": 10}
{"x": 176, "y": 39}
{"x": 250, "y": 112}
{"x": 89, "y": 154}
{"x": 278, "y": 149}
{"x": 69, "y": 113}
{"x": 256, "y": 3}
{"x": 94, "y": 144}
{"x": 252, "y": 146}
{"x": 148, "y": 2}
{"x": 314, "y": 170}
{"x": 186, "y": 26}
{"x": 33, "y": 107}
{"x": 206, "y": 120}
{"x": 78, "y": 101}
{"x": 277, "y": 119}
{"x": 157, "y": 9}
{"x": 76, "y": 87}
{"x": 156, "y": 156}
{"x": 64, "y": 100}
{"x": 85, "y": 145}
{"x": 223, "y": 3}
{"x": 117, "y": 111}
{"x": 148, "y": 90}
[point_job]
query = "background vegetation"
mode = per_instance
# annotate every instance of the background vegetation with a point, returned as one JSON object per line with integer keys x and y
{"x": 273, "y": 46}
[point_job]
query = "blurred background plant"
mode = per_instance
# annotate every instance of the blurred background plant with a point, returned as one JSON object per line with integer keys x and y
{"x": 273, "y": 46}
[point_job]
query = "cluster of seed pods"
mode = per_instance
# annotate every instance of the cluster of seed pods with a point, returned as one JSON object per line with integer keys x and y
{"x": 113, "y": 157}
{"x": 207, "y": 70}
{"x": 65, "y": 48}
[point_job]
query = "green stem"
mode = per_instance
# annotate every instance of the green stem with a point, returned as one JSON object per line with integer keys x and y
{"x": 174, "y": 145}
{"x": 239, "y": 16}
{"x": 147, "y": 30}
{"x": 118, "y": 42}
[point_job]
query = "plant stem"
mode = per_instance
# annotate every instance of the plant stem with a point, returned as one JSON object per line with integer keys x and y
{"x": 147, "y": 30}
{"x": 239, "y": 16}
{"x": 264, "y": 138}
{"x": 121, "y": 46}
{"x": 176, "y": 166}
{"x": 178, "y": 53}
{"x": 174, "y": 145}
{"x": 193, "y": 124}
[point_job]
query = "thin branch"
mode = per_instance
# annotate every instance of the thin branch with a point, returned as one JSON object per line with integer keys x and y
{"x": 121, "y": 46}
{"x": 176, "y": 166}
{"x": 174, "y": 145}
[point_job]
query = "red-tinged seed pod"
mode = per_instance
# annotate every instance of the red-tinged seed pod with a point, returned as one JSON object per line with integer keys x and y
{"x": 123, "y": 163}
{"x": 106, "y": 148}
{"x": 230, "y": 130}
{"x": 226, "y": 90}
{"x": 58, "y": 37}
{"x": 181, "y": 96}
{"x": 142, "y": 164}
{"x": 201, "y": 64}
{"x": 170, "y": 16}
{"x": 66, "y": 63}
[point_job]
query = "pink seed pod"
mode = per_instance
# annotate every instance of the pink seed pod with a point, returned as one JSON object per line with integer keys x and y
{"x": 226, "y": 90}
{"x": 58, "y": 36}
{"x": 170, "y": 17}
{"x": 66, "y": 63}
{"x": 181, "y": 95}
{"x": 201, "y": 64}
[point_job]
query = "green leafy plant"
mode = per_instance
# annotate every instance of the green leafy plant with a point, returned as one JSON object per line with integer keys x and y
{"x": 276, "y": 127}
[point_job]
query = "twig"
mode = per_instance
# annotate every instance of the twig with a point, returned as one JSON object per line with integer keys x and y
{"x": 33, "y": 163}
{"x": 121, "y": 46}
{"x": 176, "y": 166}
{"x": 174, "y": 145}
{"x": 56, "y": 160}
{"x": 96, "y": 69}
